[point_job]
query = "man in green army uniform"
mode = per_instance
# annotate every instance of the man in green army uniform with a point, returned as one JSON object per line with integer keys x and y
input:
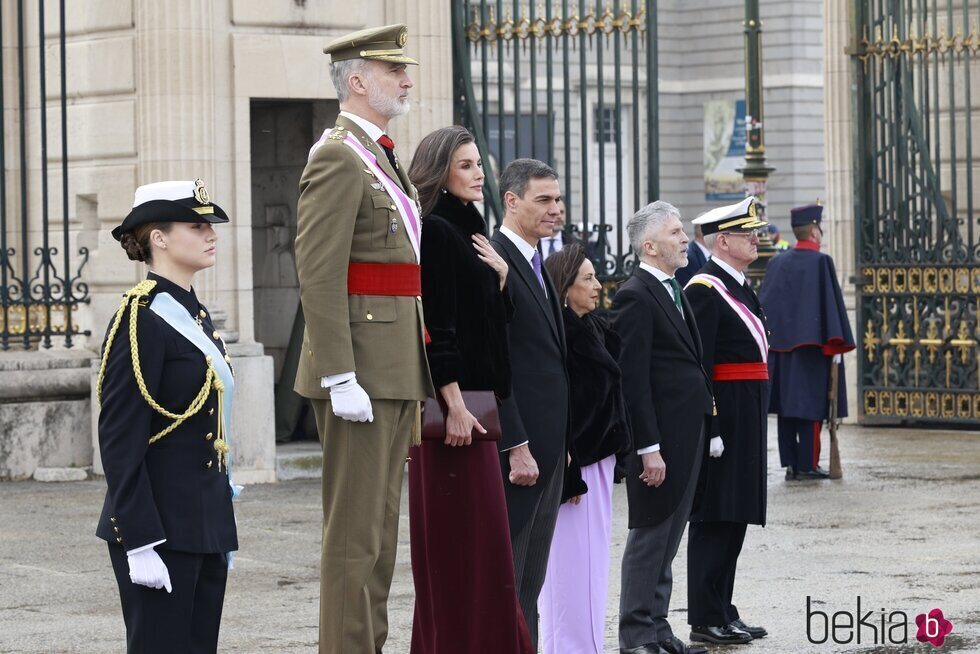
{"x": 363, "y": 363}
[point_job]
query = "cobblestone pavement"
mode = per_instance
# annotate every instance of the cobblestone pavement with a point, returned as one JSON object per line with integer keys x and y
{"x": 900, "y": 531}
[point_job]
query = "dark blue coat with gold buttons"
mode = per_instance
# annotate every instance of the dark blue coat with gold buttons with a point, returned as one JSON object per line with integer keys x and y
{"x": 175, "y": 489}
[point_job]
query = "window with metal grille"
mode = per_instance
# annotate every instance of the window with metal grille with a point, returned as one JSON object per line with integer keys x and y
{"x": 604, "y": 123}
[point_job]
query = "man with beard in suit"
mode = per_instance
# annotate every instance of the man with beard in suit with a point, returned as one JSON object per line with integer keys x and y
{"x": 669, "y": 399}
{"x": 534, "y": 448}
{"x": 732, "y": 493}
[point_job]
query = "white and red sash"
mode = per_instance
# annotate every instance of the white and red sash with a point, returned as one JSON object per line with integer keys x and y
{"x": 406, "y": 206}
{"x": 752, "y": 322}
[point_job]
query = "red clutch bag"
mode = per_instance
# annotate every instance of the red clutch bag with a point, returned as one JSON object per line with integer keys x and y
{"x": 483, "y": 406}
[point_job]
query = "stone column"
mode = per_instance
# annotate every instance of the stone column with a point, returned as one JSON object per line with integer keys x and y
{"x": 839, "y": 141}
{"x": 429, "y": 42}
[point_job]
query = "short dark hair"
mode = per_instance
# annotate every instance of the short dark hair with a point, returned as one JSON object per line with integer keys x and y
{"x": 519, "y": 172}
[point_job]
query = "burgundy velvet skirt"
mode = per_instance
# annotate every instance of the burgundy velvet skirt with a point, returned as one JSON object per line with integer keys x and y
{"x": 465, "y": 597}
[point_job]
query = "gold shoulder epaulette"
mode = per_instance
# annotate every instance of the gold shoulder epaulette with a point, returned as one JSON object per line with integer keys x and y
{"x": 704, "y": 282}
{"x": 338, "y": 133}
{"x": 132, "y": 297}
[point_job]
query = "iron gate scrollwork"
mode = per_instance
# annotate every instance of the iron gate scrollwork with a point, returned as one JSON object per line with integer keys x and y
{"x": 40, "y": 285}
{"x": 918, "y": 251}
{"x": 572, "y": 83}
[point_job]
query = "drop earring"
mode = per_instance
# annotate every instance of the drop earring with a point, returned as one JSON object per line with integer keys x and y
{"x": 444, "y": 191}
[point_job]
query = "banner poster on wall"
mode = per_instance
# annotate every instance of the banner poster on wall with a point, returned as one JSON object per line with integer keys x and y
{"x": 724, "y": 149}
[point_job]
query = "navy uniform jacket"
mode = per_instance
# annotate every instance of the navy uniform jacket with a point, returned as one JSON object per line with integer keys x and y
{"x": 808, "y": 321}
{"x": 732, "y": 488}
{"x": 173, "y": 488}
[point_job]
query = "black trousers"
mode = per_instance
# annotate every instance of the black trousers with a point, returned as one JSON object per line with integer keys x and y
{"x": 799, "y": 443}
{"x": 712, "y": 556}
{"x": 184, "y": 621}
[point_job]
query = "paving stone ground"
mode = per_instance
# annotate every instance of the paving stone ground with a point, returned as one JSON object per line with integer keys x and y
{"x": 901, "y": 531}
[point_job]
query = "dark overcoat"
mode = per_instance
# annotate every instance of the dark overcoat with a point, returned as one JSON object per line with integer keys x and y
{"x": 808, "y": 320}
{"x": 667, "y": 392}
{"x": 732, "y": 488}
{"x": 600, "y": 422}
{"x": 537, "y": 411}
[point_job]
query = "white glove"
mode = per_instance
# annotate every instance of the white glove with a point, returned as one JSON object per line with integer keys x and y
{"x": 716, "y": 447}
{"x": 837, "y": 359}
{"x": 146, "y": 568}
{"x": 350, "y": 402}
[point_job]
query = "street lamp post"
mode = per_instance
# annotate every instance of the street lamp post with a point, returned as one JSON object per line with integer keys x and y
{"x": 755, "y": 172}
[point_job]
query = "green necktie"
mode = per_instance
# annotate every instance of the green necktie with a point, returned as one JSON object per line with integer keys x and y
{"x": 677, "y": 294}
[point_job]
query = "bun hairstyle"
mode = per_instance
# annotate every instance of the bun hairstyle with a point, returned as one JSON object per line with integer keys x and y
{"x": 137, "y": 242}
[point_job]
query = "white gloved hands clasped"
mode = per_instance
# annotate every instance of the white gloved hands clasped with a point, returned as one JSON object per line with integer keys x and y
{"x": 146, "y": 568}
{"x": 838, "y": 358}
{"x": 716, "y": 447}
{"x": 351, "y": 402}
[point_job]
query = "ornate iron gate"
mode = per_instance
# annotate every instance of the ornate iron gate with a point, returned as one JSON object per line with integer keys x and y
{"x": 572, "y": 83}
{"x": 40, "y": 286}
{"x": 917, "y": 242}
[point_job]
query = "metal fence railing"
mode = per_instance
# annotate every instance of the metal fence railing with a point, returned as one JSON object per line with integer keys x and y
{"x": 918, "y": 234}
{"x": 572, "y": 83}
{"x": 40, "y": 287}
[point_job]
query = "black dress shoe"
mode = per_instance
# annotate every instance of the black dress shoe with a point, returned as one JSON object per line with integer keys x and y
{"x": 649, "y": 648}
{"x": 676, "y": 646}
{"x": 816, "y": 473}
{"x": 791, "y": 474}
{"x": 755, "y": 632}
{"x": 726, "y": 635}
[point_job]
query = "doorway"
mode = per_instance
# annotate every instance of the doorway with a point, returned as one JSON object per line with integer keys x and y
{"x": 282, "y": 133}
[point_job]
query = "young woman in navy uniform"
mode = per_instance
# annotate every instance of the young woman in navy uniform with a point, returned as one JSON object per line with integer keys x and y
{"x": 165, "y": 388}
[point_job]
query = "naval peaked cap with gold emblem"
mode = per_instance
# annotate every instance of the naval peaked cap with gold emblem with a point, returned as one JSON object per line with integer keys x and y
{"x": 384, "y": 43}
{"x": 733, "y": 217}
{"x": 171, "y": 202}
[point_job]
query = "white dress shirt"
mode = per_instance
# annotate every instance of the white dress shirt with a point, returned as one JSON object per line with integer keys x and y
{"x": 739, "y": 277}
{"x": 369, "y": 128}
{"x": 525, "y": 248}
{"x": 663, "y": 277}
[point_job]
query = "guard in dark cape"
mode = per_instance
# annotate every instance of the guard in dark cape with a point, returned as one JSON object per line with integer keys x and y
{"x": 810, "y": 331}
{"x": 165, "y": 387}
{"x": 732, "y": 483}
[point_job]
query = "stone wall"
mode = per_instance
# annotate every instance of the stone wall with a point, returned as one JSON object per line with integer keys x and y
{"x": 44, "y": 412}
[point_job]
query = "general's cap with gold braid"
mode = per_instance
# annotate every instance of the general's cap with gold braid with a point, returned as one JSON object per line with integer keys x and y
{"x": 171, "y": 202}
{"x": 379, "y": 43}
{"x": 733, "y": 217}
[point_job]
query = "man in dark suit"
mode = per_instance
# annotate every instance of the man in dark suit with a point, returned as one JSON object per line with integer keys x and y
{"x": 669, "y": 399}
{"x": 697, "y": 255}
{"x": 534, "y": 419}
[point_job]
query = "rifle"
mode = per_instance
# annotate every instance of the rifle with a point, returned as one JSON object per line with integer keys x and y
{"x": 832, "y": 421}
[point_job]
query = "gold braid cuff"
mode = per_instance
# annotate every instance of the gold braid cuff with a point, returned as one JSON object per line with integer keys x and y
{"x": 211, "y": 380}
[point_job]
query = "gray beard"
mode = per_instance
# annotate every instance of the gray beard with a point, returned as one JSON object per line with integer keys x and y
{"x": 386, "y": 106}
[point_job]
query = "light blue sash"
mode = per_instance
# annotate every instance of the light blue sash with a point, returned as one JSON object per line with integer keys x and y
{"x": 165, "y": 306}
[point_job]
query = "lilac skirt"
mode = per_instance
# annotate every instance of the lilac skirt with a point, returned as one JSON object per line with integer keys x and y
{"x": 572, "y": 604}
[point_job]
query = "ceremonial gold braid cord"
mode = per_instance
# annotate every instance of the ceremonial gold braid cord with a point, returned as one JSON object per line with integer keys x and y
{"x": 133, "y": 297}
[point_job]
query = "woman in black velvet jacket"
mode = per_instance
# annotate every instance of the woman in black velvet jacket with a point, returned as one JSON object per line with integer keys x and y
{"x": 461, "y": 558}
{"x": 573, "y": 601}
